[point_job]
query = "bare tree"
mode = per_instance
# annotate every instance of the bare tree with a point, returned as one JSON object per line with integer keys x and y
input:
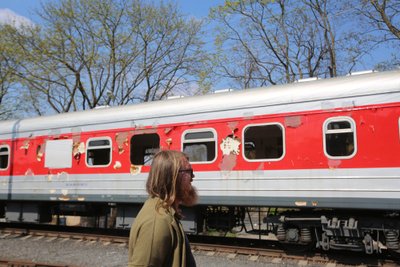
{"x": 382, "y": 26}
{"x": 384, "y": 16}
{"x": 320, "y": 13}
{"x": 9, "y": 99}
{"x": 103, "y": 52}
{"x": 280, "y": 41}
{"x": 262, "y": 42}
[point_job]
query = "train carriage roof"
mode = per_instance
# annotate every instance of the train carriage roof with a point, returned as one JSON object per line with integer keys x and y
{"x": 319, "y": 90}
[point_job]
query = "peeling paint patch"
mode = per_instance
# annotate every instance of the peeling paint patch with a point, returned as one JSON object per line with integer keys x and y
{"x": 39, "y": 156}
{"x": 230, "y": 145}
{"x": 25, "y": 145}
{"x": 117, "y": 165}
{"x": 233, "y": 126}
{"x": 63, "y": 176}
{"x": 39, "y": 152}
{"x": 372, "y": 127}
{"x": 136, "y": 169}
{"x": 228, "y": 162}
{"x": 50, "y": 177}
{"x": 64, "y": 192}
{"x": 78, "y": 148}
{"x": 169, "y": 142}
{"x": 293, "y": 121}
{"x": 333, "y": 164}
{"x": 260, "y": 167}
{"x": 168, "y": 130}
{"x": 122, "y": 141}
{"x": 145, "y": 131}
{"x": 29, "y": 172}
{"x": 301, "y": 203}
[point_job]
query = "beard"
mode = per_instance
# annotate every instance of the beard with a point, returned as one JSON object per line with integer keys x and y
{"x": 187, "y": 195}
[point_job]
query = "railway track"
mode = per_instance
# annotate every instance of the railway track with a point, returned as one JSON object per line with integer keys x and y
{"x": 225, "y": 247}
{"x": 14, "y": 263}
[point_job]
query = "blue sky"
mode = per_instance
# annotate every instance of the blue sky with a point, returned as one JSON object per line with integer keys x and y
{"x": 26, "y": 8}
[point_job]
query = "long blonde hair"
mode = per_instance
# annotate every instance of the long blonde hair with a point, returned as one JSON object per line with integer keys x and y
{"x": 162, "y": 180}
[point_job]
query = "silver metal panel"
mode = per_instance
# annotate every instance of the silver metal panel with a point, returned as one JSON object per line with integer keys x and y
{"x": 322, "y": 94}
{"x": 376, "y": 185}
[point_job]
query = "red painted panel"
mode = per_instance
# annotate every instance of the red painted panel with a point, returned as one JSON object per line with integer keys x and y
{"x": 377, "y": 129}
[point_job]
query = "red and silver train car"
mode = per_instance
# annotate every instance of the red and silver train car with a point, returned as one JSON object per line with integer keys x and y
{"x": 326, "y": 151}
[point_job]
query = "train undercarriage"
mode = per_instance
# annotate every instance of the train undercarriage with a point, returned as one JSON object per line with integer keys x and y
{"x": 368, "y": 231}
{"x": 340, "y": 230}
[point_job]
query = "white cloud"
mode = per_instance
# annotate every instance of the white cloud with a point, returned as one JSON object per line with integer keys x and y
{"x": 8, "y": 16}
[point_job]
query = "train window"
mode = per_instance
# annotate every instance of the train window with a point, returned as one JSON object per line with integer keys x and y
{"x": 98, "y": 152}
{"x": 200, "y": 145}
{"x": 339, "y": 137}
{"x": 143, "y": 148}
{"x": 4, "y": 157}
{"x": 264, "y": 142}
{"x": 58, "y": 154}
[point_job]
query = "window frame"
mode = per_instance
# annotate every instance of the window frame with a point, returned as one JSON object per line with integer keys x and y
{"x": 353, "y": 129}
{"x": 98, "y": 147}
{"x": 200, "y": 130}
{"x": 8, "y": 156}
{"x": 132, "y": 148}
{"x": 280, "y": 125}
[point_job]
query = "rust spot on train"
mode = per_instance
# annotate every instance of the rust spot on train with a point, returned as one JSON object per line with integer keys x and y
{"x": 136, "y": 169}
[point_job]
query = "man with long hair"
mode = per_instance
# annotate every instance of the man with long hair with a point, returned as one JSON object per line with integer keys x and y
{"x": 157, "y": 237}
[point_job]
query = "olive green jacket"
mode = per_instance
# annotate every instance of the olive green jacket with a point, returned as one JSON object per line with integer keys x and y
{"x": 156, "y": 238}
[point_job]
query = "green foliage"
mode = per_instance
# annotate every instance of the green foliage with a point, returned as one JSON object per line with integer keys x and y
{"x": 103, "y": 52}
{"x": 87, "y": 53}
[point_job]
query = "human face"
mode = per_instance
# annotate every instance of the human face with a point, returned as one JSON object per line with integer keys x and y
{"x": 186, "y": 194}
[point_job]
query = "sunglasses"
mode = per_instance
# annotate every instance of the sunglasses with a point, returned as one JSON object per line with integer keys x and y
{"x": 190, "y": 171}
